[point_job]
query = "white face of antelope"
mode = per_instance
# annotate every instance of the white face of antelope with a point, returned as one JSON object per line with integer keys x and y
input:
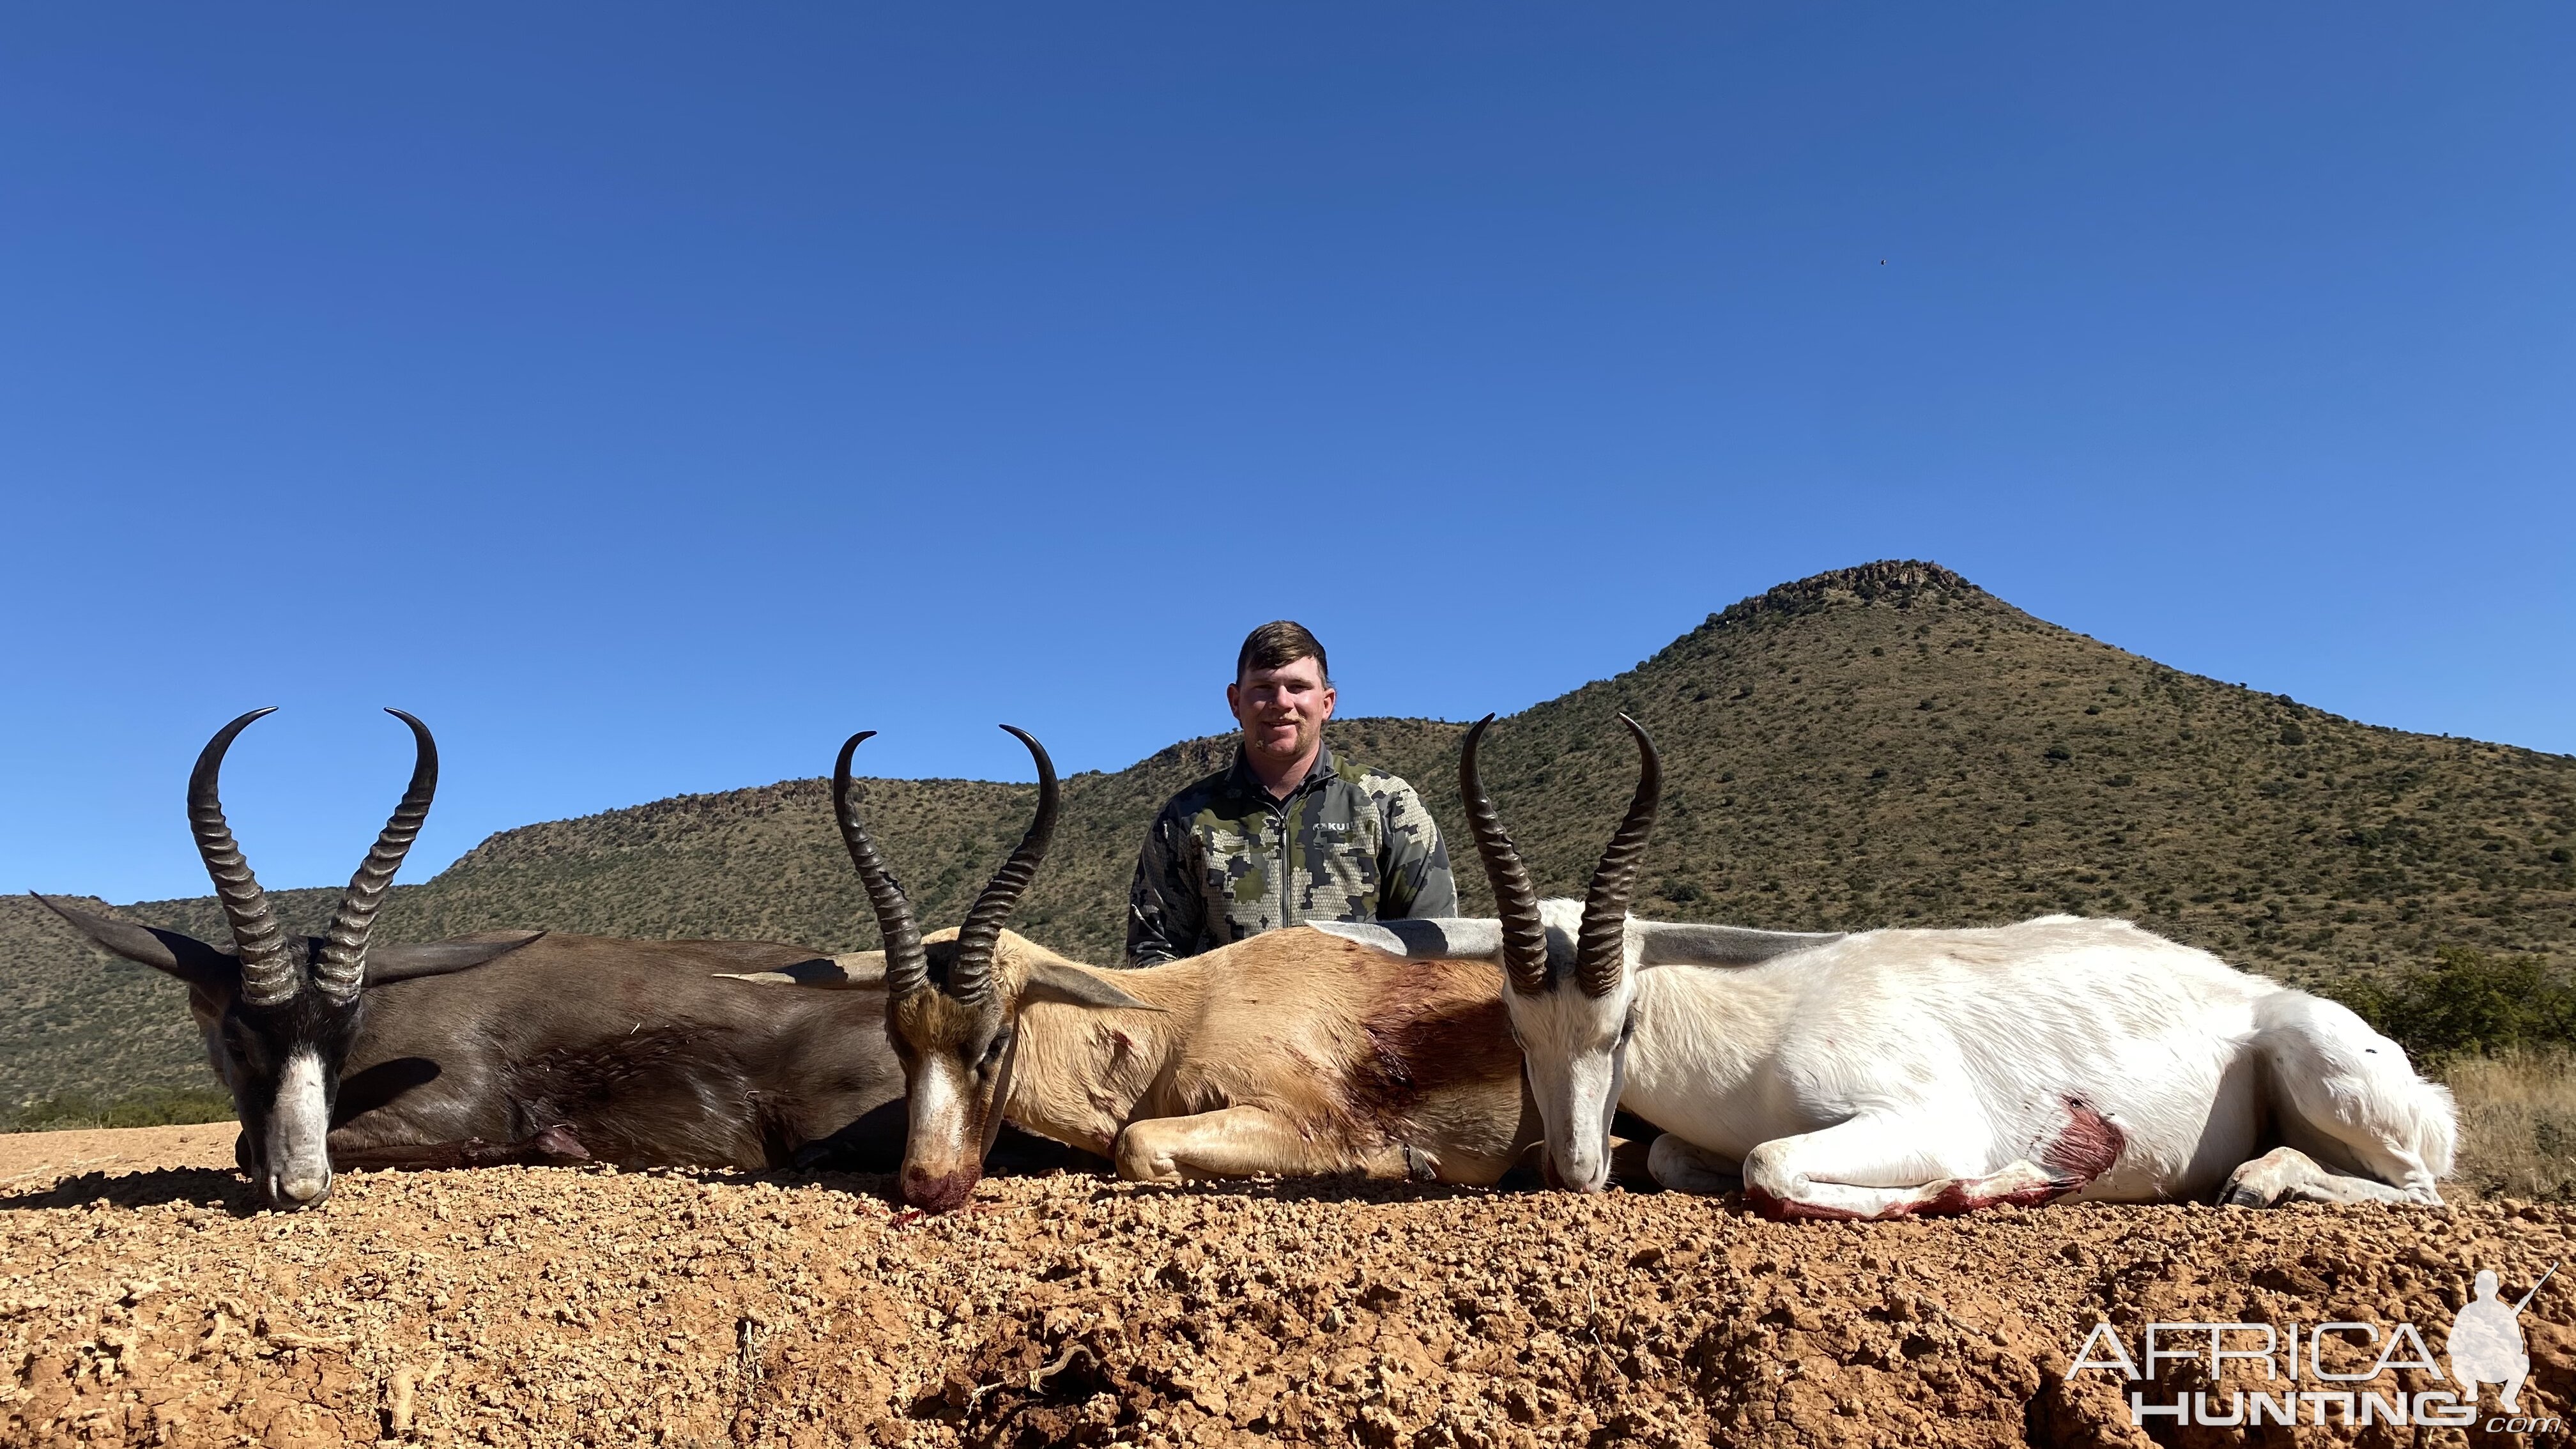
{"x": 298, "y": 1169}
{"x": 956, "y": 1060}
{"x": 283, "y": 1066}
{"x": 1574, "y": 1051}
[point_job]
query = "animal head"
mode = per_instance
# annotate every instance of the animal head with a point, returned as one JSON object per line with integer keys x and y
{"x": 1570, "y": 983}
{"x": 1573, "y": 966}
{"x": 280, "y": 1012}
{"x": 953, "y": 1006}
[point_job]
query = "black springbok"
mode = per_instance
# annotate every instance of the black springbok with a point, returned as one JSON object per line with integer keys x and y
{"x": 507, "y": 1047}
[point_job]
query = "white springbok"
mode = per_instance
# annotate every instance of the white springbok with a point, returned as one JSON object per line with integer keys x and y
{"x": 1889, "y": 1073}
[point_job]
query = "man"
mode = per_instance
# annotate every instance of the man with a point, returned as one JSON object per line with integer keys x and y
{"x": 1287, "y": 834}
{"x": 2486, "y": 1344}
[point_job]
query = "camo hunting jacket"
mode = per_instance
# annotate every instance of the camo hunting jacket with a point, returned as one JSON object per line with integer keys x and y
{"x": 1225, "y": 861}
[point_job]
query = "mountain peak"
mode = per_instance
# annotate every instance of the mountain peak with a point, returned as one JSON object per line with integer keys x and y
{"x": 1900, "y": 583}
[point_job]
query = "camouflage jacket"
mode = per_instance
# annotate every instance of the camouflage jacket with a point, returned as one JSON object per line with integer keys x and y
{"x": 1225, "y": 861}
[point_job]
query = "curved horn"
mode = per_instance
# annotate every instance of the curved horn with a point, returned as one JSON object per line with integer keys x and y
{"x": 340, "y": 968}
{"x": 907, "y": 964}
{"x": 1600, "y": 947}
{"x": 1524, "y": 938}
{"x": 268, "y": 973}
{"x": 970, "y": 978}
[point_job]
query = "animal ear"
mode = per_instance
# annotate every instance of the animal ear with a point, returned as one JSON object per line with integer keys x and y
{"x": 185, "y": 957}
{"x": 851, "y": 972}
{"x": 1450, "y": 938}
{"x": 1055, "y": 981}
{"x": 1674, "y": 943}
{"x": 438, "y": 958}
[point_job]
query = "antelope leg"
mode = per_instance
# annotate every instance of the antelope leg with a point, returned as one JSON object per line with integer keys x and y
{"x": 553, "y": 1147}
{"x": 2285, "y": 1174}
{"x": 1682, "y": 1167}
{"x": 1234, "y": 1142}
{"x": 1893, "y": 1166}
{"x": 1887, "y": 1167}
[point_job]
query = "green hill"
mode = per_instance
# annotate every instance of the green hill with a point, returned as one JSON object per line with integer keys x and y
{"x": 1876, "y": 746}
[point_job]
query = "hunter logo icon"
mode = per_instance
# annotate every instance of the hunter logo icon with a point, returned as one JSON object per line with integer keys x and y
{"x": 2485, "y": 1344}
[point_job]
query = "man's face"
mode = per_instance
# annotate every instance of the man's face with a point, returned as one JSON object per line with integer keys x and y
{"x": 1282, "y": 710}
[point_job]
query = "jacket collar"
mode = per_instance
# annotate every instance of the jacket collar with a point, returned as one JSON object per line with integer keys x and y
{"x": 1240, "y": 779}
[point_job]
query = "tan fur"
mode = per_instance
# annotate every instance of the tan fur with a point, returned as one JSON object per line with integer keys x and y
{"x": 1291, "y": 1053}
{"x": 929, "y": 1018}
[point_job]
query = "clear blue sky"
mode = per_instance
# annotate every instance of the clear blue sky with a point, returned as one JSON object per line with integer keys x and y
{"x": 650, "y": 395}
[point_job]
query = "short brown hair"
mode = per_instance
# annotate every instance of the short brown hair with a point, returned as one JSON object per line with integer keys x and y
{"x": 1278, "y": 644}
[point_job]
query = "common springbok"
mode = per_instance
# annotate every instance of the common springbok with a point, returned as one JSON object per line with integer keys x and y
{"x": 1292, "y": 1053}
{"x": 1897, "y": 1072}
{"x": 561, "y": 1048}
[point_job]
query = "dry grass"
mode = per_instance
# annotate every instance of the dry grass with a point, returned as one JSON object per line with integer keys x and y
{"x": 2517, "y": 1123}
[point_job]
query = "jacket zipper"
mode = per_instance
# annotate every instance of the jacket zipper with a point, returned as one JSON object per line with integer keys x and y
{"x": 1287, "y": 891}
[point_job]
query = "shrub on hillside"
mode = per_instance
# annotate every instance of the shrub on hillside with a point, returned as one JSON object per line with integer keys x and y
{"x": 143, "y": 1109}
{"x": 2468, "y": 1003}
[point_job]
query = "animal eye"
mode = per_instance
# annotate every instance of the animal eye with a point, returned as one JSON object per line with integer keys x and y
{"x": 993, "y": 1051}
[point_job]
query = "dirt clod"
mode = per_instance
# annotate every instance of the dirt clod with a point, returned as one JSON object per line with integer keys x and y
{"x": 145, "y": 1303}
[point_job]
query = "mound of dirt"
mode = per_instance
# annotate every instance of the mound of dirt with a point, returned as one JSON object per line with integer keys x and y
{"x": 140, "y": 1303}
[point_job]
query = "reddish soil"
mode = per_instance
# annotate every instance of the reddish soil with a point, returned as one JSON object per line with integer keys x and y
{"x": 140, "y": 1303}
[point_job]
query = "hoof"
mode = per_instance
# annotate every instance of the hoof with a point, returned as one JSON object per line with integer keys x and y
{"x": 557, "y": 1145}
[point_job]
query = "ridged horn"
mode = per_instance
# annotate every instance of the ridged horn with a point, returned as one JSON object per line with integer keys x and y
{"x": 1600, "y": 946}
{"x": 269, "y": 974}
{"x": 340, "y": 968}
{"x": 907, "y": 964}
{"x": 1524, "y": 937}
{"x": 970, "y": 977}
